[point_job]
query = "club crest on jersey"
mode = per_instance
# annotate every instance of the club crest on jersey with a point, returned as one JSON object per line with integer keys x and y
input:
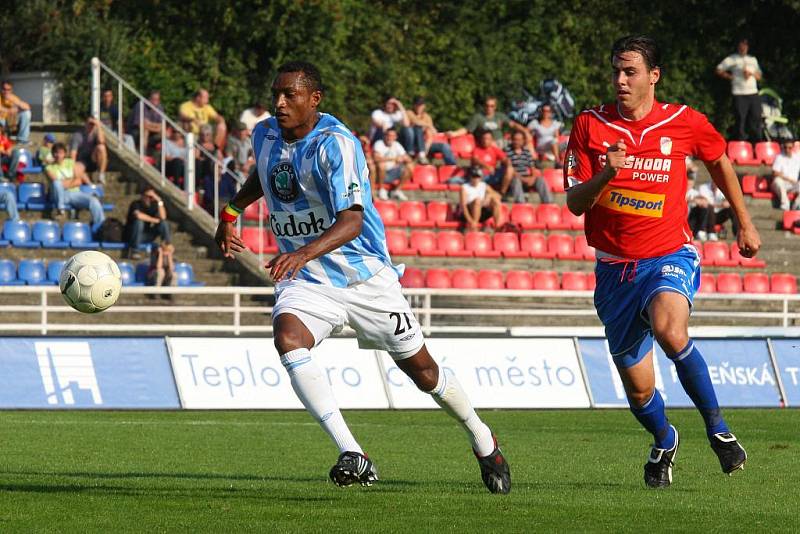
{"x": 283, "y": 182}
{"x": 666, "y": 145}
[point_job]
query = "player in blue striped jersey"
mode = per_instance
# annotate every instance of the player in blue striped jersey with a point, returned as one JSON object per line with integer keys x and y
{"x": 334, "y": 269}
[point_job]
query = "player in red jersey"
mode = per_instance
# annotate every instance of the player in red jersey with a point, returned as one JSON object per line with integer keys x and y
{"x": 626, "y": 171}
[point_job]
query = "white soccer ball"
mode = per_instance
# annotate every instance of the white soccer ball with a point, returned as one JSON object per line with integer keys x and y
{"x": 90, "y": 281}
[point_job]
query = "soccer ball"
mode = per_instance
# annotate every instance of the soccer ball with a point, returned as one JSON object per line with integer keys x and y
{"x": 90, "y": 281}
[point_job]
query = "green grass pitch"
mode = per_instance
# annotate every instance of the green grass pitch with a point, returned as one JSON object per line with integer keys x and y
{"x": 573, "y": 471}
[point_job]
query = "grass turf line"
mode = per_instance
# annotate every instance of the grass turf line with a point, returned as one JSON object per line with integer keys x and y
{"x": 267, "y": 471}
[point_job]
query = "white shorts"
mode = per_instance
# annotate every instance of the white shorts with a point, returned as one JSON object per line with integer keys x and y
{"x": 376, "y": 309}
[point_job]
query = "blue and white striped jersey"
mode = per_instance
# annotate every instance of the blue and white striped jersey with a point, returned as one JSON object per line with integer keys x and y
{"x": 306, "y": 183}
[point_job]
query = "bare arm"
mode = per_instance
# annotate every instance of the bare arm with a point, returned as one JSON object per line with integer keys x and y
{"x": 226, "y": 236}
{"x": 581, "y": 197}
{"x": 724, "y": 74}
{"x": 725, "y": 177}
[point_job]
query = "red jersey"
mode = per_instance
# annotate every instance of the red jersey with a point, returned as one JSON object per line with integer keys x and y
{"x": 642, "y": 212}
{"x": 489, "y": 155}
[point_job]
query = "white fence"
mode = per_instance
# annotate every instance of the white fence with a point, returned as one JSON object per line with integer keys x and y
{"x": 149, "y": 317}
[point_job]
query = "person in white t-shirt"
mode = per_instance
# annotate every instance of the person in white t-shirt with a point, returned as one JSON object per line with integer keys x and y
{"x": 393, "y": 165}
{"x": 722, "y": 211}
{"x": 479, "y": 201}
{"x": 744, "y": 74}
{"x": 252, "y": 116}
{"x": 545, "y": 130}
{"x": 701, "y": 211}
{"x": 786, "y": 174}
{"x": 391, "y": 115}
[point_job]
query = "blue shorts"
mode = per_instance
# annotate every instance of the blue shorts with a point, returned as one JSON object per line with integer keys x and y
{"x": 624, "y": 291}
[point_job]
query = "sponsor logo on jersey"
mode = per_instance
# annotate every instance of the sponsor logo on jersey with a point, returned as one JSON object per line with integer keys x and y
{"x": 666, "y": 145}
{"x": 312, "y": 147}
{"x": 634, "y": 202}
{"x": 283, "y": 182}
{"x": 302, "y": 223}
{"x": 352, "y": 190}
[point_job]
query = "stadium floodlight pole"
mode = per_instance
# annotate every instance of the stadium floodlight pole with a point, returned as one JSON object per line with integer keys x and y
{"x": 95, "y": 88}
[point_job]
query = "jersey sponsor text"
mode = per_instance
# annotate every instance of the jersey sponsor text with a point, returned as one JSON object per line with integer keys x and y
{"x": 634, "y": 202}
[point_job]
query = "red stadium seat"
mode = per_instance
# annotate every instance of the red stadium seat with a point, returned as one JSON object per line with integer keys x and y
{"x": 452, "y": 244}
{"x": 423, "y": 242}
{"x": 463, "y": 145}
{"x": 258, "y": 242}
{"x": 480, "y": 244}
{"x": 438, "y": 279}
{"x": 415, "y": 214}
{"x": 464, "y": 279}
{"x": 762, "y": 189}
{"x": 507, "y": 243}
{"x": 427, "y": 178}
{"x": 555, "y": 179}
{"x": 574, "y": 281}
{"x": 729, "y": 283}
{"x": 749, "y": 184}
{"x": 546, "y": 280}
{"x": 251, "y": 211}
{"x": 766, "y": 151}
{"x": 549, "y": 215}
{"x": 708, "y": 284}
{"x": 535, "y": 245}
{"x": 575, "y": 222}
{"x": 519, "y": 280}
{"x": 440, "y": 137}
{"x": 756, "y": 283}
{"x": 582, "y": 247}
{"x": 563, "y": 247}
{"x": 413, "y": 278}
{"x": 397, "y": 241}
{"x": 783, "y": 283}
{"x": 741, "y": 153}
{"x": 449, "y": 171}
{"x": 790, "y": 219}
{"x": 752, "y": 263}
{"x": 524, "y": 215}
{"x": 591, "y": 281}
{"x": 505, "y": 210}
{"x": 490, "y": 279}
{"x": 389, "y": 212}
{"x": 442, "y": 215}
{"x": 717, "y": 253}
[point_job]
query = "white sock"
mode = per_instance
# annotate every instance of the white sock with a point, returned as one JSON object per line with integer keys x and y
{"x": 449, "y": 394}
{"x": 314, "y": 391}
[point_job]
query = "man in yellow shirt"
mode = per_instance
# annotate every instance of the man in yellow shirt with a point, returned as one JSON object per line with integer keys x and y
{"x": 14, "y": 112}
{"x": 197, "y": 112}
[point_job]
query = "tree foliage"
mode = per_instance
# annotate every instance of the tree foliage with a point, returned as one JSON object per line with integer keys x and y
{"x": 453, "y": 53}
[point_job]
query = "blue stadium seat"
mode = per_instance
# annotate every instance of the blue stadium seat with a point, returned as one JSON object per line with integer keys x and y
{"x": 19, "y": 233}
{"x": 8, "y": 274}
{"x": 31, "y": 195}
{"x": 141, "y": 272}
{"x": 79, "y": 235}
{"x": 7, "y": 186}
{"x": 93, "y": 189}
{"x": 32, "y": 272}
{"x": 48, "y": 233}
{"x": 54, "y": 270}
{"x": 128, "y": 274}
{"x": 32, "y": 170}
{"x": 185, "y": 274}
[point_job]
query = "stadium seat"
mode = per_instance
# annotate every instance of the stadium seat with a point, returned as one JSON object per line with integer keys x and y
{"x": 741, "y": 153}
{"x": 438, "y": 279}
{"x": 19, "y": 234}
{"x": 31, "y": 196}
{"x": 783, "y": 283}
{"x": 790, "y": 219}
{"x": 32, "y": 272}
{"x": 752, "y": 263}
{"x": 505, "y": 210}
{"x": 574, "y": 281}
{"x": 413, "y": 278}
{"x": 507, "y": 243}
{"x": 766, "y": 151}
{"x": 397, "y": 241}
{"x": 480, "y": 244}
{"x": 423, "y": 242}
{"x": 591, "y": 280}
{"x": 8, "y": 274}
{"x": 549, "y": 215}
{"x": 79, "y": 235}
{"x": 524, "y": 216}
{"x": 749, "y": 184}
{"x": 464, "y": 279}
{"x": 452, "y": 244}
{"x": 490, "y": 279}
{"x": 708, "y": 284}
{"x": 756, "y": 283}
{"x": 54, "y": 270}
{"x": 519, "y": 279}
{"x": 427, "y": 177}
{"x": 463, "y": 145}
{"x": 48, "y": 233}
{"x": 141, "y": 272}
{"x": 555, "y": 179}
{"x": 575, "y": 222}
{"x": 535, "y": 244}
{"x": 260, "y": 242}
{"x": 251, "y": 211}
{"x": 415, "y": 214}
{"x": 446, "y": 172}
{"x": 717, "y": 253}
{"x": 562, "y": 247}
{"x": 93, "y": 189}
{"x": 7, "y": 186}
{"x": 442, "y": 215}
{"x": 729, "y": 283}
{"x": 546, "y": 280}
{"x": 762, "y": 189}
{"x": 128, "y": 273}
{"x": 185, "y": 275}
{"x": 389, "y": 212}
{"x": 583, "y": 249}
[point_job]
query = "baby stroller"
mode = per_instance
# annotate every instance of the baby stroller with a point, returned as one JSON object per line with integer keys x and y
{"x": 552, "y": 92}
{"x": 776, "y": 126}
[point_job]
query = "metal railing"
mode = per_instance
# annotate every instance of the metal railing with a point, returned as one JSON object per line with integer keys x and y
{"x": 153, "y": 316}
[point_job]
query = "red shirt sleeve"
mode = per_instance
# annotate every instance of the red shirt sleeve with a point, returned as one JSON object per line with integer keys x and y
{"x": 498, "y": 153}
{"x": 578, "y": 163}
{"x": 708, "y": 145}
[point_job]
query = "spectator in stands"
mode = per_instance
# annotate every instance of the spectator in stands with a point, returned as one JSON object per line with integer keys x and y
{"x": 722, "y": 211}
{"x": 545, "y": 130}
{"x": 197, "y": 112}
{"x": 691, "y": 169}
{"x": 391, "y": 115}
{"x": 479, "y": 201}
{"x": 147, "y": 220}
{"x": 371, "y": 167}
{"x": 701, "y": 211}
{"x": 240, "y": 148}
{"x": 174, "y": 149}
{"x": 204, "y": 164}
{"x": 152, "y": 120}
{"x": 162, "y": 267}
{"x": 493, "y": 121}
{"x": 109, "y": 113}
{"x": 9, "y": 198}
{"x": 786, "y": 174}
{"x": 524, "y": 175}
{"x": 254, "y": 115}
{"x": 744, "y": 74}
{"x": 417, "y": 138}
{"x": 393, "y": 165}
{"x": 66, "y": 176}
{"x": 9, "y": 156}
{"x": 492, "y": 161}
{"x": 88, "y": 146}
{"x": 15, "y": 113}
{"x": 44, "y": 156}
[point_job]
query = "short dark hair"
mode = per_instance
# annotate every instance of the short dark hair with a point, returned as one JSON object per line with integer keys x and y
{"x": 146, "y": 188}
{"x": 311, "y": 76}
{"x": 57, "y": 147}
{"x": 642, "y": 44}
